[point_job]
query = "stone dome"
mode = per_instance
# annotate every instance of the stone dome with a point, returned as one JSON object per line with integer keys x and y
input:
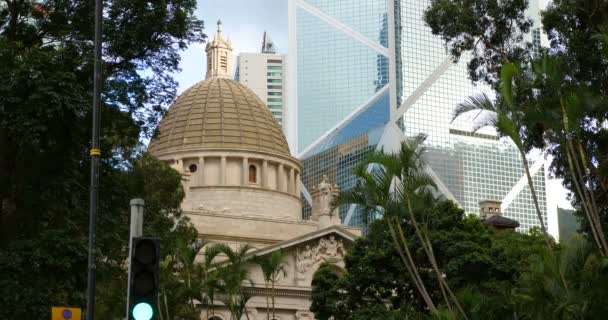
{"x": 219, "y": 113}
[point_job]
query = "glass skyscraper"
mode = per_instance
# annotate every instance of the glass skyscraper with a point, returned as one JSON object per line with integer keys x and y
{"x": 369, "y": 73}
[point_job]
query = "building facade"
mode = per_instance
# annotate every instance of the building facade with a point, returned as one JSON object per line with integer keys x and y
{"x": 369, "y": 73}
{"x": 264, "y": 74}
{"x": 241, "y": 186}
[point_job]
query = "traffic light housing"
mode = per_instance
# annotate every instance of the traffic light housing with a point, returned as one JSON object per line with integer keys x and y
{"x": 144, "y": 278}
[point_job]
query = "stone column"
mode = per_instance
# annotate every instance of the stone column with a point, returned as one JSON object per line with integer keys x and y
{"x": 245, "y": 171}
{"x": 177, "y": 165}
{"x": 290, "y": 181}
{"x": 201, "y": 166}
{"x": 280, "y": 177}
{"x": 264, "y": 174}
{"x": 297, "y": 182}
{"x": 223, "y": 171}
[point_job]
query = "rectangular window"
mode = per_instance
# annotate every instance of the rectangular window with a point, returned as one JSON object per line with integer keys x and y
{"x": 274, "y": 80}
{"x": 275, "y": 100}
{"x": 274, "y": 74}
{"x": 275, "y": 106}
{"x": 277, "y": 113}
{"x": 274, "y": 87}
{"x": 275, "y": 67}
{"x": 274, "y": 61}
{"x": 275, "y": 93}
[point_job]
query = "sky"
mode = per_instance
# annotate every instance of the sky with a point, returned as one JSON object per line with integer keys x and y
{"x": 245, "y": 21}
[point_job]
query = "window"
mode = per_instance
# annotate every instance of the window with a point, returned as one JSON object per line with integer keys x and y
{"x": 275, "y": 93}
{"x": 253, "y": 174}
{"x": 274, "y": 100}
{"x": 223, "y": 62}
{"x": 274, "y": 80}
{"x": 274, "y": 74}
{"x": 275, "y": 106}
{"x": 277, "y": 113}
{"x": 274, "y": 87}
{"x": 274, "y": 61}
{"x": 275, "y": 67}
{"x": 193, "y": 167}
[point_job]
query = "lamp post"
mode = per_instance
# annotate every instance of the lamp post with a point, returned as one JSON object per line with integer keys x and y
{"x": 95, "y": 155}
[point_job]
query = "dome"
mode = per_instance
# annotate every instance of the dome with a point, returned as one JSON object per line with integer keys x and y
{"x": 219, "y": 113}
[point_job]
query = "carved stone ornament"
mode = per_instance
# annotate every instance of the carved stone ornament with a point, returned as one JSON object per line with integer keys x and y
{"x": 304, "y": 315}
{"x": 323, "y": 196}
{"x": 327, "y": 249}
{"x": 252, "y": 312}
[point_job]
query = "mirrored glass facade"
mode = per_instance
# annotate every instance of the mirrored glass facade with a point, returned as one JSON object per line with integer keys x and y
{"x": 339, "y": 73}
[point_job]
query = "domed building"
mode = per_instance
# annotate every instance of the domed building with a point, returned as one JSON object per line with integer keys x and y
{"x": 241, "y": 185}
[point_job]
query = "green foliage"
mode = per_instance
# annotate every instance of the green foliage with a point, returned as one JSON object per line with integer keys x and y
{"x": 560, "y": 92}
{"x": 327, "y": 299}
{"x": 491, "y": 30}
{"x": 570, "y": 283}
{"x": 232, "y": 274}
{"x": 482, "y": 265}
{"x": 45, "y": 103}
{"x": 272, "y": 268}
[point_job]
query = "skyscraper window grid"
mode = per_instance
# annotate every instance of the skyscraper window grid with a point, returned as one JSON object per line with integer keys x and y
{"x": 473, "y": 166}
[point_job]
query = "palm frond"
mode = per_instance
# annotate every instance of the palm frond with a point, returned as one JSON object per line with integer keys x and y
{"x": 479, "y": 102}
{"x": 507, "y": 72}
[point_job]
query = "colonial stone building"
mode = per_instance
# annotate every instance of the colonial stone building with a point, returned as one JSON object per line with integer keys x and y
{"x": 242, "y": 185}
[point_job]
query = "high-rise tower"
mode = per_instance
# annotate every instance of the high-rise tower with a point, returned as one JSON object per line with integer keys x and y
{"x": 264, "y": 73}
{"x": 370, "y": 73}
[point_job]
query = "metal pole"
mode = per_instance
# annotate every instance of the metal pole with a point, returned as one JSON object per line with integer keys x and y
{"x": 136, "y": 230}
{"x": 95, "y": 154}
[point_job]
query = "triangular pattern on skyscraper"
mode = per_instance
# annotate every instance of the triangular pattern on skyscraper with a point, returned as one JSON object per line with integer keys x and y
{"x": 522, "y": 210}
{"x": 351, "y": 73}
{"x": 348, "y": 12}
{"x": 375, "y": 115}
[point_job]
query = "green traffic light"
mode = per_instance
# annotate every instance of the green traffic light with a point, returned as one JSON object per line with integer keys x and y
{"x": 143, "y": 311}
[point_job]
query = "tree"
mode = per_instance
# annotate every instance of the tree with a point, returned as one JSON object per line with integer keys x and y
{"x": 558, "y": 114}
{"x": 327, "y": 298}
{"x": 180, "y": 277}
{"x": 45, "y": 109}
{"x": 492, "y": 31}
{"x": 481, "y": 265}
{"x": 398, "y": 188}
{"x": 232, "y": 275}
{"x": 272, "y": 268}
{"x": 507, "y": 117}
{"x": 570, "y": 284}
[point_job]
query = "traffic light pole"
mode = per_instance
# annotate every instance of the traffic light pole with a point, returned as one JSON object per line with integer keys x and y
{"x": 95, "y": 154}
{"x": 136, "y": 230}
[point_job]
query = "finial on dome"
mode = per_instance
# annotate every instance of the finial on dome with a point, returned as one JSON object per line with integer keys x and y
{"x": 219, "y": 55}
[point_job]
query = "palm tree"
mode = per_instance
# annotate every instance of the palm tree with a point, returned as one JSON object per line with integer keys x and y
{"x": 566, "y": 282}
{"x": 506, "y": 118}
{"x": 272, "y": 267}
{"x": 392, "y": 189}
{"x": 189, "y": 268}
{"x": 563, "y": 117}
{"x": 210, "y": 280}
{"x": 166, "y": 275}
{"x": 232, "y": 274}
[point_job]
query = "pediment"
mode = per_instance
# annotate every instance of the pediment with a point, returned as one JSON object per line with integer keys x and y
{"x": 307, "y": 252}
{"x": 339, "y": 233}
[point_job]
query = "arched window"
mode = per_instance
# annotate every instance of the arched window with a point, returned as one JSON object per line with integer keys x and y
{"x": 253, "y": 174}
{"x": 215, "y": 318}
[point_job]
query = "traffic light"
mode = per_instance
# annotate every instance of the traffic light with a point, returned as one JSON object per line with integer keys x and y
{"x": 144, "y": 278}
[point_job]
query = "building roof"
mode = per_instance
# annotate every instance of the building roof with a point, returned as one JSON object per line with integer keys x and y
{"x": 499, "y": 221}
{"x": 219, "y": 113}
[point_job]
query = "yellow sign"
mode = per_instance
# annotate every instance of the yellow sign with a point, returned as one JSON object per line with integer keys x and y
{"x": 63, "y": 313}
